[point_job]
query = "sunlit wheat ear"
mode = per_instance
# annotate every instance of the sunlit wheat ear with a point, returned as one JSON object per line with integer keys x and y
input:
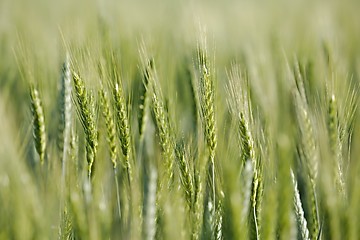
{"x": 38, "y": 123}
{"x": 110, "y": 126}
{"x": 65, "y": 111}
{"x": 123, "y": 125}
{"x": 299, "y": 212}
{"x": 335, "y": 144}
{"x": 86, "y": 113}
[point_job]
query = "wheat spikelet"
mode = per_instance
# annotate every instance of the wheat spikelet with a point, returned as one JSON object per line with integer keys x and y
{"x": 38, "y": 123}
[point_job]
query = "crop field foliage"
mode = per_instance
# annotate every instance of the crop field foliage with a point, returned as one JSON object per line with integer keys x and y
{"x": 179, "y": 119}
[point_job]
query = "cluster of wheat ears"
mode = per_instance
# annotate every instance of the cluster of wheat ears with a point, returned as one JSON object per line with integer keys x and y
{"x": 253, "y": 174}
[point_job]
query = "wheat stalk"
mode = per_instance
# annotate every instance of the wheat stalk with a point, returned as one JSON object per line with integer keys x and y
{"x": 149, "y": 225}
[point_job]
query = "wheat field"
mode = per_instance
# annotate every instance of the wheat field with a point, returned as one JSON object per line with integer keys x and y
{"x": 179, "y": 119}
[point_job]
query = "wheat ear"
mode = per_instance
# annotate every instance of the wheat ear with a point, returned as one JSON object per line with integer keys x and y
{"x": 207, "y": 102}
{"x": 87, "y": 118}
{"x": 311, "y": 161}
{"x": 123, "y": 126}
{"x": 65, "y": 112}
{"x": 335, "y": 144}
{"x": 38, "y": 123}
{"x": 110, "y": 126}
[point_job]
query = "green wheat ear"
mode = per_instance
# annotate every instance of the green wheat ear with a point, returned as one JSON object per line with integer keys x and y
{"x": 38, "y": 123}
{"x": 335, "y": 144}
{"x": 308, "y": 149}
{"x": 86, "y": 114}
{"x": 166, "y": 136}
{"x": 207, "y": 103}
{"x": 123, "y": 126}
{"x": 110, "y": 125}
{"x": 240, "y": 107}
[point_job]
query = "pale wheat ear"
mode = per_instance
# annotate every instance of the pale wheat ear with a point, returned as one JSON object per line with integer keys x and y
{"x": 86, "y": 113}
{"x": 65, "y": 111}
{"x": 39, "y": 130}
